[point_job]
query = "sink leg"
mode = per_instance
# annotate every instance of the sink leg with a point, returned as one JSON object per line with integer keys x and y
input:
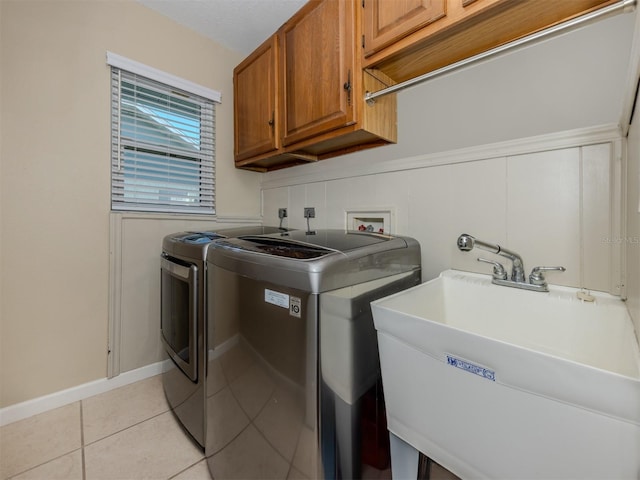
{"x": 424, "y": 467}
{"x": 404, "y": 459}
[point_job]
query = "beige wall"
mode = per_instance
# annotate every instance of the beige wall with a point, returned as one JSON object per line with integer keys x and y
{"x": 55, "y": 176}
{"x": 632, "y": 240}
{"x": 630, "y": 120}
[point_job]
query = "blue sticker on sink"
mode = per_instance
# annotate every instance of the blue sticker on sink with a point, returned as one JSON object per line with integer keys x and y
{"x": 472, "y": 368}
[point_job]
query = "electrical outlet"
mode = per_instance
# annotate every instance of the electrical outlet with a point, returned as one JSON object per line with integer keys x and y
{"x": 309, "y": 212}
{"x": 282, "y": 213}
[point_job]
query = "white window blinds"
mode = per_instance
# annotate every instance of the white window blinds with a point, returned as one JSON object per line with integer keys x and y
{"x": 163, "y": 144}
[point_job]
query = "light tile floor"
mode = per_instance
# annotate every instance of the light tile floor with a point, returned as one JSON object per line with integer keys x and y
{"x": 127, "y": 433}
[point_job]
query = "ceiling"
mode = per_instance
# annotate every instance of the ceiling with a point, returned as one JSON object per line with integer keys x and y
{"x": 240, "y": 25}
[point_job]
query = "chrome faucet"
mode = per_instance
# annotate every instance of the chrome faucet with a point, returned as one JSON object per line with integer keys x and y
{"x": 536, "y": 282}
{"x": 467, "y": 242}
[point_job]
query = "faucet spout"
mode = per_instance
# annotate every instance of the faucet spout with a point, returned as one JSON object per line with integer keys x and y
{"x": 467, "y": 242}
{"x": 536, "y": 282}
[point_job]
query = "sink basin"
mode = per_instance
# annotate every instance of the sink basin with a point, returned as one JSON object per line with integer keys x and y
{"x": 496, "y": 382}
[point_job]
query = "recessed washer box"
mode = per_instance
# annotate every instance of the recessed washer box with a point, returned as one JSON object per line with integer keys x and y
{"x": 371, "y": 220}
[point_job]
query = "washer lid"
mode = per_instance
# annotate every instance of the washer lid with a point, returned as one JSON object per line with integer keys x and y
{"x": 336, "y": 240}
{"x": 197, "y": 238}
{"x": 208, "y": 236}
{"x": 326, "y": 260}
{"x": 280, "y": 247}
{"x": 305, "y": 245}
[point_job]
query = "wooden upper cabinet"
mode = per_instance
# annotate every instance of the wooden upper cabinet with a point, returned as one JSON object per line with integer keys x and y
{"x": 318, "y": 53}
{"x": 299, "y": 97}
{"x": 255, "y": 98}
{"x": 406, "y": 44}
{"x": 387, "y": 21}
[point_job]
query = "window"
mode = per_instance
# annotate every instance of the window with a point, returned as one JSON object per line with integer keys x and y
{"x": 163, "y": 143}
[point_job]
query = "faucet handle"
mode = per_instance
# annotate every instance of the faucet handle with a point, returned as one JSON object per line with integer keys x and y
{"x": 498, "y": 269}
{"x": 537, "y": 275}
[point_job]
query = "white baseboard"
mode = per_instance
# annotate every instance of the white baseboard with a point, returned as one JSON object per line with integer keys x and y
{"x": 26, "y": 409}
{"x": 23, "y": 410}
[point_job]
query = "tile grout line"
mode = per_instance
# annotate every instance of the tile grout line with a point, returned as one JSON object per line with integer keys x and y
{"x": 62, "y": 455}
{"x": 125, "y": 428}
{"x": 17, "y": 474}
{"x": 203, "y": 459}
{"x": 260, "y": 432}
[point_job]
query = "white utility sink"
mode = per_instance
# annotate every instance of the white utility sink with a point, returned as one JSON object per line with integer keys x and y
{"x": 496, "y": 382}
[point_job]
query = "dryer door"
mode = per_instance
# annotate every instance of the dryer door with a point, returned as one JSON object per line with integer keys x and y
{"x": 179, "y": 310}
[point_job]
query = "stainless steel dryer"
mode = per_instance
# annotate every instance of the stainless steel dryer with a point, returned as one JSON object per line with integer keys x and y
{"x": 294, "y": 312}
{"x": 183, "y": 326}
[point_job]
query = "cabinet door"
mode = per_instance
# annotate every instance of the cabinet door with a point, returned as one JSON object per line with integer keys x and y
{"x": 255, "y": 86}
{"x": 387, "y": 21}
{"x": 318, "y": 55}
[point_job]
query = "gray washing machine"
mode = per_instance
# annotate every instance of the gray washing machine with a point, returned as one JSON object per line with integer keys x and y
{"x": 295, "y": 348}
{"x": 183, "y": 325}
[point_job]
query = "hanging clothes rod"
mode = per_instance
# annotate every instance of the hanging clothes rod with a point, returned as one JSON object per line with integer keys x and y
{"x": 619, "y": 7}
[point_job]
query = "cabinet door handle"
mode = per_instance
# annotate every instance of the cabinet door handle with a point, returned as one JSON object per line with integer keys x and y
{"x": 347, "y": 87}
{"x": 272, "y": 122}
